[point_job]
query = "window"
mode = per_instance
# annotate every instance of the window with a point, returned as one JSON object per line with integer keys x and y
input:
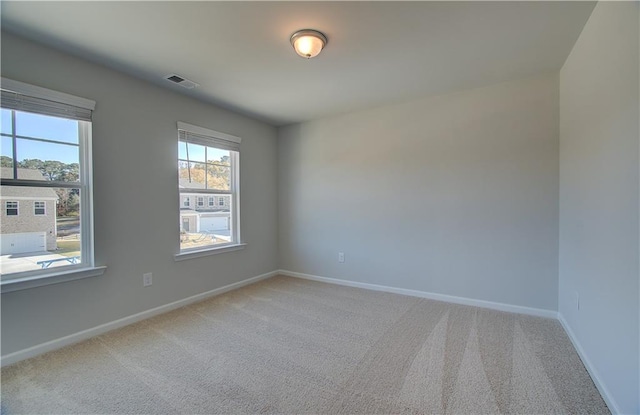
{"x": 12, "y": 208}
{"x": 39, "y": 208}
{"x": 187, "y": 202}
{"x": 221, "y": 201}
{"x": 208, "y": 166}
{"x": 45, "y": 160}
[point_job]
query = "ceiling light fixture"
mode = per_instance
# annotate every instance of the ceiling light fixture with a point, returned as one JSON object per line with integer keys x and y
{"x": 308, "y": 43}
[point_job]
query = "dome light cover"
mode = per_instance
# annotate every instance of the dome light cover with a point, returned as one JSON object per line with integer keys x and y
{"x": 308, "y": 43}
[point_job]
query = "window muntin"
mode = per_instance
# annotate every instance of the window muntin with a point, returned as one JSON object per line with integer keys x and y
{"x": 212, "y": 170}
{"x": 58, "y": 129}
{"x": 186, "y": 202}
{"x": 11, "y": 208}
{"x": 208, "y": 167}
{"x": 39, "y": 208}
{"x": 46, "y": 161}
{"x": 221, "y": 201}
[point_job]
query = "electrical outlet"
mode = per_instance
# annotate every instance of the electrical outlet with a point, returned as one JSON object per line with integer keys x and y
{"x": 147, "y": 279}
{"x": 340, "y": 256}
{"x": 577, "y": 301}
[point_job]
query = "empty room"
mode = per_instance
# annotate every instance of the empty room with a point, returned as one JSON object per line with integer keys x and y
{"x": 320, "y": 207}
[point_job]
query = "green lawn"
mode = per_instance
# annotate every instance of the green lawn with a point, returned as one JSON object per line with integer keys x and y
{"x": 68, "y": 248}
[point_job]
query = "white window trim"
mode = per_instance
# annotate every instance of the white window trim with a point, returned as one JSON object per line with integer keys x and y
{"x": 234, "y": 192}
{"x": 6, "y": 207}
{"x": 186, "y": 202}
{"x": 214, "y": 250}
{"x": 200, "y": 201}
{"x": 48, "y": 94}
{"x": 190, "y": 128}
{"x": 44, "y": 208}
{"x": 23, "y": 283}
{"x": 211, "y": 201}
{"x": 36, "y": 278}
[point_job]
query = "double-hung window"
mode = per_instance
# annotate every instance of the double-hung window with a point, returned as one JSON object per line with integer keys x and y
{"x": 39, "y": 208}
{"x": 46, "y": 168}
{"x": 12, "y": 208}
{"x": 208, "y": 166}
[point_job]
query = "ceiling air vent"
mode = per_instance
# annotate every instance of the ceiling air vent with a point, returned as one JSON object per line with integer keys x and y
{"x": 176, "y": 79}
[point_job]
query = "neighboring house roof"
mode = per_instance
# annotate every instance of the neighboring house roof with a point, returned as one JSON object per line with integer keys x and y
{"x": 185, "y": 184}
{"x": 201, "y": 211}
{"x": 8, "y": 192}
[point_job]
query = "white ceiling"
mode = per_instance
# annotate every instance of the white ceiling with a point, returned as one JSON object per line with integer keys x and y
{"x": 378, "y": 52}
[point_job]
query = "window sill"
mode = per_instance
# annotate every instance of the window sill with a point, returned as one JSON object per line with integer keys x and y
{"x": 209, "y": 251}
{"x": 53, "y": 278}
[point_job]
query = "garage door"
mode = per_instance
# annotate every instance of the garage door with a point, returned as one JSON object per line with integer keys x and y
{"x": 18, "y": 243}
{"x": 214, "y": 223}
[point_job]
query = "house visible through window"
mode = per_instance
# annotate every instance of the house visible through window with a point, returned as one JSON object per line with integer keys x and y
{"x": 208, "y": 166}
{"x": 12, "y": 208}
{"x": 39, "y": 208}
{"x": 45, "y": 164}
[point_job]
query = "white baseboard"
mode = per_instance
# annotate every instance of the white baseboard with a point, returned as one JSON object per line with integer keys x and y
{"x": 39, "y": 349}
{"x": 606, "y": 395}
{"x": 432, "y": 296}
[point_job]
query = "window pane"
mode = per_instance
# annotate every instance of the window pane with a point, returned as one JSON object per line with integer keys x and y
{"x": 219, "y": 177}
{"x": 196, "y": 152}
{"x": 182, "y": 150}
{"x": 204, "y": 228}
{"x": 192, "y": 175}
{"x": 45, "y": 233}
{"x": 5, "y": 121}
{"x": 53, "y": 161}
{"x": 6, "y": 155}
{"x": 43, "y": 126}
{"x": 215, "y": 155}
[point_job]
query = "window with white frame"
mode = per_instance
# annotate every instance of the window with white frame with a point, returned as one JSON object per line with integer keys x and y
{"x": 45, "y": 162}
{"x": 39, "y": 208}
{"x": 12, "y": 208}
{"x": 186, "y": 202}
{"x": 221, "y": 201}
{"x": 208, "y": 166}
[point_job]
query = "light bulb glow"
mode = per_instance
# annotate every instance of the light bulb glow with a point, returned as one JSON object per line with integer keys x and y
{"x": 308, "y": 43}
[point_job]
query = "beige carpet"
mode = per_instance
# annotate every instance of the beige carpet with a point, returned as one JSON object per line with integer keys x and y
{"x": 292, "y": 346}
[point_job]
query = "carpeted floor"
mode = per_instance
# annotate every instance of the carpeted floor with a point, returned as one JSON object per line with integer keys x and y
{"x": 292, "y": 346}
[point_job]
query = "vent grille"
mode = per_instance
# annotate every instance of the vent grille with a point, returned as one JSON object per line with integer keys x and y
{"x": 177, "y": 79}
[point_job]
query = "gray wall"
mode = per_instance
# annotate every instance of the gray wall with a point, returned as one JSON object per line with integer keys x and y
{"x": 136, "y": 200}
{"x": 455, "y": 194}
{"x": 599, "y": 197}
